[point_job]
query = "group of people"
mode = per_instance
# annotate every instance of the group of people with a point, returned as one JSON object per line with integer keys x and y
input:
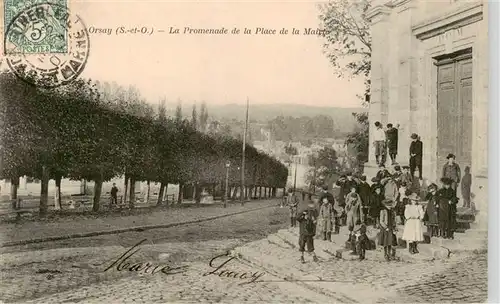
{"x": 386, "y": 140}
{"x": 393, "y": 197}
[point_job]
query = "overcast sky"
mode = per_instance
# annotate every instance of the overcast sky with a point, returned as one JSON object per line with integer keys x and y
{"x": 216, "y": 69}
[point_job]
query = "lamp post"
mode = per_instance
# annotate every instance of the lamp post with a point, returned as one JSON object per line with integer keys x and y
{"x": 228, "y": 164}
{"x": 313, "y": 181}
{"x": 295, "y": 176}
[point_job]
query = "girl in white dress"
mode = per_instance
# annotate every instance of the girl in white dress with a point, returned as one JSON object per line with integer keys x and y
{"x": 413, "y": 231}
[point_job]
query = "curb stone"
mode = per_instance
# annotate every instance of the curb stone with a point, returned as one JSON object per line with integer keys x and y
{"x": 123, "y": 230}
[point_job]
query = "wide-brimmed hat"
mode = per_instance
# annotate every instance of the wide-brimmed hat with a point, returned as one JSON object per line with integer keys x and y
{"x": 406, "y": 167}
{"x": 413, "y": 197}
{"x": 375, "y": 180}
{"x": 414, "y": 136}
{"x": 432, "y": 186}
{"x": 450, "y": 156}
{"x": 446, "y": 181}
{"x": 389, "y": 203}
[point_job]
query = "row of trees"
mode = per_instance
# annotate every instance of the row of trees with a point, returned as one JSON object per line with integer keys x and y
{"x": 96, "y": 131}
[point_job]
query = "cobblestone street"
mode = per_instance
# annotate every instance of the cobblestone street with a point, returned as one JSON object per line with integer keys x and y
{"x": 68, "y": 272}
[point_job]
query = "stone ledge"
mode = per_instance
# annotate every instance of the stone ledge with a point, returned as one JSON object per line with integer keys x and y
{"x": 464, "y": 15}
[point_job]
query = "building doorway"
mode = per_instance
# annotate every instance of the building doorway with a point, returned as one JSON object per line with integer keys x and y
{"x": 454, "y": 108}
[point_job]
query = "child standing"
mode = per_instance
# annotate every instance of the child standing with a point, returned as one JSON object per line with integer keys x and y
{"x": 387, "y": 238}
{"x": 307, "y": 230}
{"x": 353, "y": 207}
{"x": 413, "y": 231}
{"x": 376, "y": 204}
{"x": 401, "y": 202}
{"x": 362, "y": 242}
{"x": 293, "y": 203}
{"x": 431, "y": 212}
{"x": 326, "y": 220}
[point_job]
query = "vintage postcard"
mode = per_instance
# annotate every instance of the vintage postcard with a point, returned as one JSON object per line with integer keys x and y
{"x": 244, "y": 151}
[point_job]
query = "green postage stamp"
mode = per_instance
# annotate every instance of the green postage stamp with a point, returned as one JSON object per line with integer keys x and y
{"x": 35, "y": 26}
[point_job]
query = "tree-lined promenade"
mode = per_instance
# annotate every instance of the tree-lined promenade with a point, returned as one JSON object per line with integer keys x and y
{"x": 81, "y": 131}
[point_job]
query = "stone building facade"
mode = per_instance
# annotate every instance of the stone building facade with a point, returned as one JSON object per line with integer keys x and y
{"x": 430, "y": 75}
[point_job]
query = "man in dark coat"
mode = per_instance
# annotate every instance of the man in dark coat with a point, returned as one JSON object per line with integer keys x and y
{"x": 365, "y": 194}
{"x": 342, "y": 192}
{"x": 466, "y": 185}
{"x": 416, "y": 153}
{"x": 447, "y": 209}
{"x": 349, "y": 183}
{"x": 392, "y": 142}
{"x": 451, "y": 170}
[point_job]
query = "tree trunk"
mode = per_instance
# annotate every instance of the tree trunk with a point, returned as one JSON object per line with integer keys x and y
{"x": 234, "y": 193}
{"x": 260, "y": 192}
{"x": 197, "y": 194}
{"x": 97, "y": 195}
{"x": 180, "y": 197}
{"x": 148, "y": 192}
{"x": 83, "y": 187}
{"x": 165, "y": 194}
{"x": 125, "y": 190}
{"x": 57, "y": 196}
{"x": 44, "y": 191}
{"x": 131, "y": 202}
{"x": 160, "y": 195}
{"x": 194, "y": 192}
{"x": 14, "y": 185}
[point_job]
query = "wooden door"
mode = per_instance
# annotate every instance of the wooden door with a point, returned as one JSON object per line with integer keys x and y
{"x": 454, "y": 109}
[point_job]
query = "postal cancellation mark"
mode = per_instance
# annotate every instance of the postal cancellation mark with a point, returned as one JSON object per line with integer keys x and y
{"x": 33, "y": 29}
{"x": 35, "y": 43}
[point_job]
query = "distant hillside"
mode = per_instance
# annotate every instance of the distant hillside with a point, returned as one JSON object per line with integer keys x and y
{"x": 298, "y": 122}
{"x": 262, "y": 112}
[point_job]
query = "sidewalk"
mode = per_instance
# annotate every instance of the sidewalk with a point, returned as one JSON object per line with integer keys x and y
{"x": 71, "y": 227}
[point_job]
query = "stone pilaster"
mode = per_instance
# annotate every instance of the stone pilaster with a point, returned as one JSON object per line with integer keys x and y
{"x": 404, "y": 77}
{"x": 378, "y": 17}
{"x": 479, "y": 166}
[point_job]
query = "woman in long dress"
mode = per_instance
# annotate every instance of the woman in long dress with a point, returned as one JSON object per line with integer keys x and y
{"x": 413, "y": 231}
